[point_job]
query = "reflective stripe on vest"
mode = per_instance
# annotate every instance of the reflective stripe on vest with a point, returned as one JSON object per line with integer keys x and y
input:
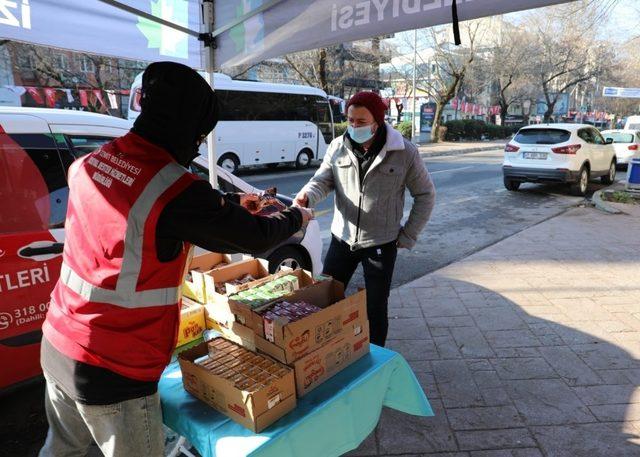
{"x": 125, "y": 293}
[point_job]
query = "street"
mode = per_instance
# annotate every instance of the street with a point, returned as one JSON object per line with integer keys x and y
{"x": 473, "y": 209}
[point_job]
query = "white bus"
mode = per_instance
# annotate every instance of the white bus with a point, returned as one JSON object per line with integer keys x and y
{"x": 265, "y": 124}
{"x": 633, "y": 123}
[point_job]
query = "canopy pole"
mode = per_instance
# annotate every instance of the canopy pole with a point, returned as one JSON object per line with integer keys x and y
{"x": 209, "y": 50}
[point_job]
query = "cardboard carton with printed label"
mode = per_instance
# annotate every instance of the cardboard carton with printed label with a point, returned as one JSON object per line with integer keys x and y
{"x": 192, "y": 321}
{"x": 226, "y": 308}
{"x": 253, "y": 407}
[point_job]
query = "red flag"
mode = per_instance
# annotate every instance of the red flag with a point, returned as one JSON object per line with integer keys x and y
{"x": 50, "y": 95}
{"x": 98, "y": 94}
{"x": 35, "y": 94}
{"x": 84, "y": 99}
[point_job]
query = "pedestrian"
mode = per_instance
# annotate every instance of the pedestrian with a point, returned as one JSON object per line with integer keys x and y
{"x": 134, "y": 212}
{"x": 369, "y": 168}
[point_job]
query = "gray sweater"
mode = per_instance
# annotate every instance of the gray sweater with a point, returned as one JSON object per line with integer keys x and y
{"x": 371, "y": 214}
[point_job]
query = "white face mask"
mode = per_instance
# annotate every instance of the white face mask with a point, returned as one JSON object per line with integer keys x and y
{"x": 361, "y": 134}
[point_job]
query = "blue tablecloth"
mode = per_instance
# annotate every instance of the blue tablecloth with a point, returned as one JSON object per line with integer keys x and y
{"x": 332, "y": 419}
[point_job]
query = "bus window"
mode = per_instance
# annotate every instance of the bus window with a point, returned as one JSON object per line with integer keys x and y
{"x": 321, "y": 116}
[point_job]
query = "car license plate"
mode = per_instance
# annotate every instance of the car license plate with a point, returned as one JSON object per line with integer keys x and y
{"x": 535, "y": 155}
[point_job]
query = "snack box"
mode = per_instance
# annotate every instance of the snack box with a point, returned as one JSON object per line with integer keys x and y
{"x": 192, "y": 321}
{"x": 237, "y": 307}
{"x": 251, "y": 389}
{"x": 194, "y": 284}
{"x": 289, "y": 341}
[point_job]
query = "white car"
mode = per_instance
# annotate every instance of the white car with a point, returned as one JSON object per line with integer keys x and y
{"x": 560, "y": 153}
{"x": 36, "y": 148}
{"x": 626, "y": 143}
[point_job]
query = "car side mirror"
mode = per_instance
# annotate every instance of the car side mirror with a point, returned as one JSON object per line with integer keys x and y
{"x": 608, "y": 140}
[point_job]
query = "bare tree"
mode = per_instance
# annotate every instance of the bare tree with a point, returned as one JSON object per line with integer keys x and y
{"x": 509, "y": 59}
{"x": 566, "y": 53}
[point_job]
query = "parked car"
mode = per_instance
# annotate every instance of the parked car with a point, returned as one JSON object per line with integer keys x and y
{"x": 36, "y": 148}
{"x": 626, "y": 143}
{"x": 560, "y": 153}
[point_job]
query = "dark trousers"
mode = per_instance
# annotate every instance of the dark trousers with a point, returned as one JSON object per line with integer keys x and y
{"x": 377, "y": 263}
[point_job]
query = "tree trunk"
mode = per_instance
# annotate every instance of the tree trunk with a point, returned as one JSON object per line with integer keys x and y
{"x": 504, "y": 109}
{"x": 549, "y": 112}
{"x": 436, "y": 121}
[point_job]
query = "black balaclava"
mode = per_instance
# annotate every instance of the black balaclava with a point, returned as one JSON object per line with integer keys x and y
{"x": 178, "y": 109}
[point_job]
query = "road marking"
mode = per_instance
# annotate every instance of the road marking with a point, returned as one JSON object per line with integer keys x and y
{"x": 450, "y": 169}
{"x": 499, "y": 191}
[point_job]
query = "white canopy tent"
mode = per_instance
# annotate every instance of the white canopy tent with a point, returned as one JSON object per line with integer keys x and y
{"x": 213, "y": 34}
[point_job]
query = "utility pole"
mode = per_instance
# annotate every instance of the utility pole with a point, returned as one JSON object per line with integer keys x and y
{"x": 413, "y": 108}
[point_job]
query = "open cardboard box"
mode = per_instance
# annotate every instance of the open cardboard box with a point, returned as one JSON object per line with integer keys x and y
{"x": 293, "y": 340}
{"x": 224, "y": 309}
{"x": 254, "y": 410}
{"x": 258, "y": 268}
{"x": 192, "y": 321}
{"x": 194, "y": 285}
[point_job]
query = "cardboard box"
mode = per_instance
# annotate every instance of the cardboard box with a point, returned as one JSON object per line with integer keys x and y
{"x": 194, "y": 285}
{"x": 339, "y": 316}
{"x": 192, "y": 322}
{"x": 225, "y": 310}
{"x": 320, "y": 365}
{"x": 258, "y": 268}
{"x": 254, "y": 410}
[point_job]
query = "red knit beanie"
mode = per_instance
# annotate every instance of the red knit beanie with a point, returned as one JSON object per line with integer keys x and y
{"x": 372, "y": 101}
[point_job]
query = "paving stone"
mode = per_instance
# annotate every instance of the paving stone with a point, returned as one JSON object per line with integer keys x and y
{"x": 604, "y": 356}
{"x": 547, "y": 402}
{"x": 529, "y": 452}
{"x": 405, "y": 312}
{"x": 488, "y": 379}
{"x": 443, "y": 307}
{"x": 495, "y": 396}
{"x": 606, "y": 395}
{"x": 523, "y": 368}
{"x": 414, "y": 349}
{"x": 471, "y": 342}
{"x": 612, "y": 377}
{"x": 589, "y": 440}
{"x": 616, "y": 413}
{"x": 367, "y": 448}
{"x": 456, "y": 384}
{"x": 484, "y": 418}
{"x": 400, "y": 433}
{"x": 505, "y": 353}
{"x": 428, "y": 383}
{"x": 479, "y": 365}
{"x": 512, "y": 338}
{"x": 454, "y": 321}
{"x": 408, "y": 329}
{"x": 495, "y": 439}
{"x": 420, "y": 366}
{"x": 567, "y": 331}
{"x": 569, "y": 366}
{"x": 447, "y": 347}
{"x": 497, "y": 319}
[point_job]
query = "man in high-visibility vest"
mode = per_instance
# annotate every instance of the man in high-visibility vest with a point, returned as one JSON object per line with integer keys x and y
{"x": 134, "y": 212}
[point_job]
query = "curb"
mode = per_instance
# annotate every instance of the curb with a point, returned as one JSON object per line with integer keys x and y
{"x": 458, "y": 151}
{"x": 601, "y": 204}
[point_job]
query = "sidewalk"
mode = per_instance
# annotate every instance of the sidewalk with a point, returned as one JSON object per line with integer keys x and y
{"x": 528, "y": 348}
{"x": 454, "y": 148}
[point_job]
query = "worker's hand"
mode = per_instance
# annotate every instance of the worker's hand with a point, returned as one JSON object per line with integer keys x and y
{"x": 247, "y": 199}
{"x": 307, "y": 215}
{"x": 301, "y": 200}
